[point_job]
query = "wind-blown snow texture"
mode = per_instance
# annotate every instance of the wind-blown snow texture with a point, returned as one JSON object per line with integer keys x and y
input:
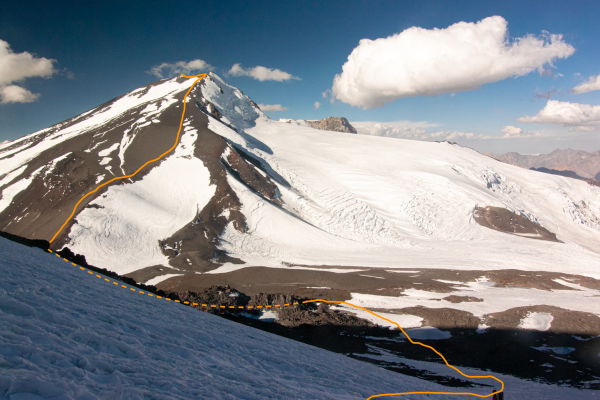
{"x": 65, "y": 334}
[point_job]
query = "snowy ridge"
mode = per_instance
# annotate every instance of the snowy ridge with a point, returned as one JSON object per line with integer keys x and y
{"x": 161, "y": 94}
{"x": 236, "y": 107}
{"x": 12, "y": 161}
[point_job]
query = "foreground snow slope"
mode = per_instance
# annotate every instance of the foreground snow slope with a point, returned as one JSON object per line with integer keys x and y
{"x": 66, "y": 334}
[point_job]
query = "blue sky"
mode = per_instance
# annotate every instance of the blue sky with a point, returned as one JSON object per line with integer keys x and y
{"x": 103, "y": 49}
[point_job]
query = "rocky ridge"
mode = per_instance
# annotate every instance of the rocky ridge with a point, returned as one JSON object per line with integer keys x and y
{"x": 334, "y": 124}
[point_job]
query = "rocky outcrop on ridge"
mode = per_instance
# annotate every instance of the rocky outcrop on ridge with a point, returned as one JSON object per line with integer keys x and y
{"x": 503, "y": 220}
{"x": 335, "y": 124}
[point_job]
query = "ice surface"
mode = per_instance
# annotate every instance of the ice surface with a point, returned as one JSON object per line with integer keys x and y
{"x": 404, "y": 320}
{"x": 513, "y": 386}
{"x": 427, "y": 333}
{"x": 8, "y": 177}
{"x": 495, "y": 299}
{"x": 9, "y": 192}
{"x": 397, "y": 200}
{"x": 556, "y": 350}
{"x": 159, "y": 279}
{"x": 109, "y": 150}
{"x": 537, "y": 321}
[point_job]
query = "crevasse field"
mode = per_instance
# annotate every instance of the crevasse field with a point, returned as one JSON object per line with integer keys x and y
{"x": 66, "y": 334}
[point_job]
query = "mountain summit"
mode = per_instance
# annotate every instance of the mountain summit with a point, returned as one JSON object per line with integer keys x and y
{"x": 433, "y": 236}
{"x": 241, "y": 191}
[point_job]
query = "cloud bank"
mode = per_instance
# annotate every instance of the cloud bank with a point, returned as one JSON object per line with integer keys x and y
{"x": 272, "y": 107}
{"x": 582, "y": 117}
{"x": 179, "y": 67}
{"x": 16, "y": 67}
{"x": 409, "y": 130}
{"x": 423, "y": 62}
{"x": 512, "y": 132}
{"x": 16, "y": 94}
{"x": 262, "y": 73}
{"x": 592, "y": 84}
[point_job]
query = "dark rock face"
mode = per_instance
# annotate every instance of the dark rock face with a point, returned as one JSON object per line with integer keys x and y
{"x": 209, "y": 108}
{"x": 323, "y": 315}
{"x": 39, "y": 211}
{"x": 460, "y": 299}
{"x": 253, "y": 104}
{"x": 335, "y": 124}
{"x": 503, "y": 220}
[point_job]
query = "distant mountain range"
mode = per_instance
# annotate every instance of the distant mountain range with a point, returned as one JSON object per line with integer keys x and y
{"x": 582, "y": 163}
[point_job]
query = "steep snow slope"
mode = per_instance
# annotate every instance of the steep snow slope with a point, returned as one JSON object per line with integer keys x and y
{"x": 67, "y": 334}
{"x": 123, "y": 231}
{"x": 44, "y": 174}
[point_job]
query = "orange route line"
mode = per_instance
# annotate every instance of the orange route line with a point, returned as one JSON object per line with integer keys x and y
{"x": 200, "y": 77}
{"x": 362, "y": 308}
{"x": 421, "y": 344}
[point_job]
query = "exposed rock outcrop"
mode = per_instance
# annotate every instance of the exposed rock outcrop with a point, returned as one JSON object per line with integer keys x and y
{"x": 335, "y": 124}
{"x": 503, "y": 220}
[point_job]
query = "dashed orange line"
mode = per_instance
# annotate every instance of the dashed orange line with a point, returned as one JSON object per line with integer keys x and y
{"x": 200, "y": 77}
{"x": 355, "y": 306}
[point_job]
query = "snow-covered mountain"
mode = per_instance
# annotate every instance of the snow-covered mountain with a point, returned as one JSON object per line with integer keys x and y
{"x": 281, "y": 207}
{"x": 66, "y": 334}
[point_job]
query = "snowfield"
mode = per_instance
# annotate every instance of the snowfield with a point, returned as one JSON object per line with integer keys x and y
{"x": 65, "y": 334}
{"x": 367, "y": 201}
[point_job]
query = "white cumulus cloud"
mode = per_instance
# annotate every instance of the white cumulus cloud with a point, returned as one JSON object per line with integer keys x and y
{"x": 428, "y": 62}
{"x": 179, "y": 67}
{"x": 262, "y": 73}
{"x": 272, "y": 107}
{"x": 511, "y": 132}
{"x": 317, "y": 105}
{"x": 16, "y": 67}
{"x": 16, "y": 94}
{"x": 590, "y": 85}
{"x": 583, "y": 117}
